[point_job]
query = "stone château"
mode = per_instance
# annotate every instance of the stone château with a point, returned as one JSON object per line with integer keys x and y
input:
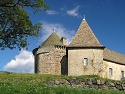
{"x": 85, "y": 55}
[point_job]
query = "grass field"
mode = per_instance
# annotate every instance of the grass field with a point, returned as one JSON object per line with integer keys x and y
{"x": 17, "y": 83}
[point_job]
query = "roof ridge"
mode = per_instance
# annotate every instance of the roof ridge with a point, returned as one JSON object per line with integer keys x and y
{"x": 85, "y": 37}
{"x": 115, "y": 51}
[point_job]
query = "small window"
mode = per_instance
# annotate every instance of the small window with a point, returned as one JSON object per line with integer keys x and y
{"x": 85, "y": 61}
{"x": 122, "y": 74}
{"x": 110, "y": 72}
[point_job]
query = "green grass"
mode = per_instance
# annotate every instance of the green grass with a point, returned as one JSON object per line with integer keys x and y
{"x": 17, "y": 83}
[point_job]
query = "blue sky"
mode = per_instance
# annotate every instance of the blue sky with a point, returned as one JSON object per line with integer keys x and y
{"x": 105, "y": 17}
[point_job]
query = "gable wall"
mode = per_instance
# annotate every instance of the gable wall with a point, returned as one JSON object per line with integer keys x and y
{"x": 116, "y": 70}
{"x": 50, "y": 63}
{"x": 75, "y": 61}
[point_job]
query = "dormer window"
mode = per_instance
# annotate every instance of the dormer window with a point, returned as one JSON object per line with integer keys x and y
{"x": 85, "y": 61}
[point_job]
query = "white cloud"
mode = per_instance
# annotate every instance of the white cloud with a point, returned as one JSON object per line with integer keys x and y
{"x": 47, "y": 29}
{"x": 51, "y": 12}
{"x": 24, "y": 62}
{"x": 73, "y": 12}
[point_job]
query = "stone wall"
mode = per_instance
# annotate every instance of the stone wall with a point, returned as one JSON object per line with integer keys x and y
{"x": 51, "y": 62}
{"x": 116, "y": 70}
{"x": 88, "y": 83}
{"x": 56, "y": 62}
{"x": 75, "y": 61}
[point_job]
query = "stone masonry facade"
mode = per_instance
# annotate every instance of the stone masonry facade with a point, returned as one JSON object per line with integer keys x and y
{"x": 85, "y": 55}
{"x": 53, "y": 62}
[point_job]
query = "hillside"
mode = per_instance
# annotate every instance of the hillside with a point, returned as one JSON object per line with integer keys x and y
{"x": 19, "y": 83}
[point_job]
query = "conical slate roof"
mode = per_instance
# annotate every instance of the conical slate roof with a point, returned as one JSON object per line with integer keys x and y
{"x": 84, "y": 37}
{"x": 52, "y": 40}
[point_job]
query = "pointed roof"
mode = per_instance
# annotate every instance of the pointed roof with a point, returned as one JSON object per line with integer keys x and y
{"x": 84, "y": 37}
{"x": 52, "y": 40}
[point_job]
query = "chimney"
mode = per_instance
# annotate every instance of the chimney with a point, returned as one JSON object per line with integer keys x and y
{"x": 63, "y": 40}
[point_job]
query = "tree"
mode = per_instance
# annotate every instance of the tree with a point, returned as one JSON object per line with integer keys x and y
{"x": 15, "y": 24}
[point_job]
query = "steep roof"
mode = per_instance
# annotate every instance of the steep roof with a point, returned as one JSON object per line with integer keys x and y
{"x": 52, "y": 40}
{"x": 113, "y": 56}
{"x": 48, "y": 44}
{"x": 84, "y": 37}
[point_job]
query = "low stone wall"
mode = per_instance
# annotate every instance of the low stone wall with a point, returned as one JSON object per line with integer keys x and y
{"x": 88, "y": 83}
